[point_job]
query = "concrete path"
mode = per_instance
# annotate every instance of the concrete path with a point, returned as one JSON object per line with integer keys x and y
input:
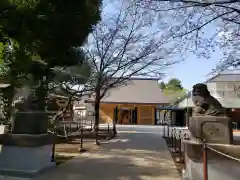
{"x": 134, "y": 156}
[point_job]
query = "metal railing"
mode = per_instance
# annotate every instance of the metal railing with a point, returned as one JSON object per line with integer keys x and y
{"x": 177, "y": 135}
{"x": 166, "y": 127}
{"x": 71, "y": 128}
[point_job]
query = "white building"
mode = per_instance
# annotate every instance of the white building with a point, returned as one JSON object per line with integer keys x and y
{"x": 224, "y": 86}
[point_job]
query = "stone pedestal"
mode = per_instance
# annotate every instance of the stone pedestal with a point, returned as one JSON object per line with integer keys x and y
{"x": 25, "y": 161}
{"x": 25, "y": 155}
{"x": 28, "y": 149}
{"x": 219, "y": 167}
{"x": 217, "y": 133}
{"x": 212, "y": 129}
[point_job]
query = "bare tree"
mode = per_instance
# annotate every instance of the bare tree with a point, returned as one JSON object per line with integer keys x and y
{"x": 69, "y": 81}
{"x": 202, "y": 26}
{"x": 124, "y": 44}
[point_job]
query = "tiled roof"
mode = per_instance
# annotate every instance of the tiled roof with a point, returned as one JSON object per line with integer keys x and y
{"x": 229, "y": 75}
{"x": 225, "y": 78}
{"x": 136, "y": 90}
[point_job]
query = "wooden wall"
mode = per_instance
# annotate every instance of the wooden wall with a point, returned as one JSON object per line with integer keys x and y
{"x": 106, "y": 112}
{"x": 145, "y": 116}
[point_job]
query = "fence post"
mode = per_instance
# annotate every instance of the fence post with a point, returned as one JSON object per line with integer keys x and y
{"x": 205, "y": 162}
{"x": 91, "y": 124}
{"x": 175, "y": 140}
{"x": 114, "y": 127}
{"x": 172, "y": 140}
{"x": 53, "y": 148}
{"x": 182, "y": 146}
{"x": 81, "y": 141}
{"x": 164, "y": 130}
{"x": 168, "y": 130}
{"x": 234, "y": 125}
{"x": 53, "y": 153}
{"x": 179, "y": 138}
{"x": 184, "y": 138}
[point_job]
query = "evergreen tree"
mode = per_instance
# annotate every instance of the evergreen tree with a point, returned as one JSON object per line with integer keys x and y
{"x": 43, "y": 34}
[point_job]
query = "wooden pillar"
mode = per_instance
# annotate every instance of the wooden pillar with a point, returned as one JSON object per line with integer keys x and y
{"x": 138, "y": 115}
{"x": 153, "y": 115}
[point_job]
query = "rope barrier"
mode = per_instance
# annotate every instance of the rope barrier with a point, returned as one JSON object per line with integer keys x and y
{"x": 218, "y": 152}
{"x": 183, "y": 135}
{"x": 223, "y": 154}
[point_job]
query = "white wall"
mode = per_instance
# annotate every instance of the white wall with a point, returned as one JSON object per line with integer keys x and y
{"x": 227, "y": 94}
{"x": 187, "y": 102}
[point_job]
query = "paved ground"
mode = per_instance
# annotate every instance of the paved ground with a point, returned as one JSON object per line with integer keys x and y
{"x": 131, "y": 156}
{"x": 138, "y": 154}
{"x": 141, "y": 128}
{"x": 12, "y": 178}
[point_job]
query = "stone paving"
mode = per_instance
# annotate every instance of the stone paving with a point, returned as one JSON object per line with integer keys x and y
{"x": 131, "y": 156}
{"x": 12, "y": 178}
{"x": 139, "y": 153}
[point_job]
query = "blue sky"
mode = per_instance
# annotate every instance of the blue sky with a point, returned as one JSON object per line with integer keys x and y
{"x": 193, "y": 70}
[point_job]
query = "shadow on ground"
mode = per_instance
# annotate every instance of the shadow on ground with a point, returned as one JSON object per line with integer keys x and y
{"x": 122, "y": 159}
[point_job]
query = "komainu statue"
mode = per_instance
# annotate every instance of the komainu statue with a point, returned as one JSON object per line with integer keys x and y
{"x": 204, "y": 103}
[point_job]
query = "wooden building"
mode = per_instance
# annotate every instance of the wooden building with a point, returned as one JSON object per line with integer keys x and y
{"x": 135, "y": 102}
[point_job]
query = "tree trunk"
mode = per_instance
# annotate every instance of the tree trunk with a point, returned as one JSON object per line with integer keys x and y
{"x": 114, "y": 128}
{"x": 97, "y": 116}
{"x": 115, "y": 121}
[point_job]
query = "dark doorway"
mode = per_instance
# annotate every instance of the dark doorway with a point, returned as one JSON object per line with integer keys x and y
{"x": 125, "y": 115}
{"x": 180, "y": 118}
{"x": 134, "y": 116}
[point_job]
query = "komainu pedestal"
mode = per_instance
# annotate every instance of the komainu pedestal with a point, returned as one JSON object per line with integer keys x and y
{"x": 212, "y": 129}
{"x": 27, "y": 150}
{"x": 209, "y": 124}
